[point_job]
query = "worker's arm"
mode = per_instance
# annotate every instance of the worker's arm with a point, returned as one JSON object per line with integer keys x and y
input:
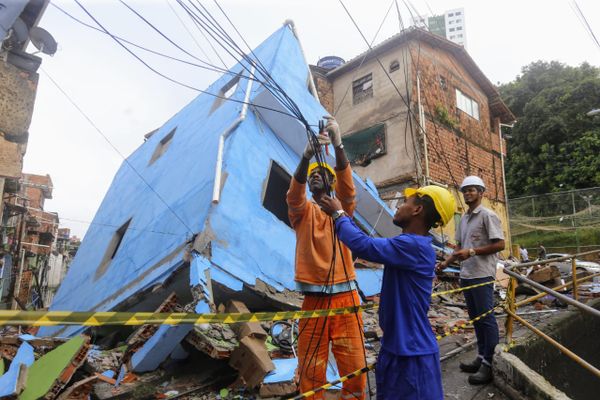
{"x": 385, "y": 251}
{"x": 344, "y": 188}
{"x": 381, "y": 250}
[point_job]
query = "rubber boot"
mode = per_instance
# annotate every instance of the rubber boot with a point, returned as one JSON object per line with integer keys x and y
{"x": 471, "y": 367}
{"x": 483, "y": 375}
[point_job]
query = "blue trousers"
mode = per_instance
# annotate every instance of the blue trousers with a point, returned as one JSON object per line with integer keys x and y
{"x": 479, "y": 300}
{"x": 408, "y": 378}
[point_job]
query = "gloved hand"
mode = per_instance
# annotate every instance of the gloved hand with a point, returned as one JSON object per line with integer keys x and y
{"x": 308, "y": 151}
{"x": 333, "y": 129}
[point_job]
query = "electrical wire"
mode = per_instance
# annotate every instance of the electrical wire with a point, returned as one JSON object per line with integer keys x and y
{"x": 97, "y": 129}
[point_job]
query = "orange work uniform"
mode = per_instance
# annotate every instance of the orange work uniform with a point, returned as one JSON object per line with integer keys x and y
{"x": 316, "y": 267}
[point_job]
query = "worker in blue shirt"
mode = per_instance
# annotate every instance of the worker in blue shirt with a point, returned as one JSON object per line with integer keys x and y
{"x": 408, "y": 366}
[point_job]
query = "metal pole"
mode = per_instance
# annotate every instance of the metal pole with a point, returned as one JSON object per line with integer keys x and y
{"x": 540, "y": 295}
{"x": 510, "y": 303}
{"x": 566, "y": 299}
{"x": 573, "y": 220}
{"x": 574, "y": 271}
{"x": 504, "y": 184}
{"x": 423, "y": 131}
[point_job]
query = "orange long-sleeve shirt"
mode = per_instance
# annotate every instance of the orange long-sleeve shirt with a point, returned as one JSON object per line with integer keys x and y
{"x": 314, "y": 234}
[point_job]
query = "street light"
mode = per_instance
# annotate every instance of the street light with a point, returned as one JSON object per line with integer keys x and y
{"x": 595, "y": 111}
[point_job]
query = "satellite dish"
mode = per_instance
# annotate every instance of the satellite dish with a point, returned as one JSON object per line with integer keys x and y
{"x": 42, "y": 40}
{"x": 20, "y": 31}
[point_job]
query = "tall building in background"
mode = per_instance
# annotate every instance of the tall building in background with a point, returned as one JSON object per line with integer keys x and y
{"x": 450, "y": 25}
{"x": 455, "y": 26}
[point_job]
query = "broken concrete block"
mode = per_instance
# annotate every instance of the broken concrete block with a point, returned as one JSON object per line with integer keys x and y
{"x": 545, "y": 274}
{"x": 13, "y": 381}
{"x": 252, "y": 361}
{"x": 158, "y": 347}
{"x": 280, "y": 382}
{"x": 51, "y": 373}
{"x": 244, "y": 329}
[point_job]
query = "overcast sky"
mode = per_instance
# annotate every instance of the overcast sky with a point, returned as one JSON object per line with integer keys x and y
{"x": 126, "y": 100}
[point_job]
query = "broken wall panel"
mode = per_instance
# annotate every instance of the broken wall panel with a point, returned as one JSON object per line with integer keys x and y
{"x": 14, "y": 380}
{"x": 50, "y": 373}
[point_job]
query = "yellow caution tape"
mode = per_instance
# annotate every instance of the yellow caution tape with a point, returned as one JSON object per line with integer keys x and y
{"x": 372, "y": 366}
{"x": 53, "y": 318}
{"x": 434, "y": 294}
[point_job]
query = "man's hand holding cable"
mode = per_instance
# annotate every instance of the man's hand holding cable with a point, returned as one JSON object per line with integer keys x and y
{"x": 309, "y": 152}
{"x": 333, "y": 128}
{"x": 330, "y": 205}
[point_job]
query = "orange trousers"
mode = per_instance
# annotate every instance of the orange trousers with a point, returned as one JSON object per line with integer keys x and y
{"x": 345, "y": 332}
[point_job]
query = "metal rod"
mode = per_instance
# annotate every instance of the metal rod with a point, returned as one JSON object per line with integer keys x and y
{"x": 540, "y": 295}
{"x": 540, "y": 262}
{"x": 566, "y": 299}
{"x": 559, "y": 346}
{"x": 574, "y": 272}
{"x": 512, "y": 286}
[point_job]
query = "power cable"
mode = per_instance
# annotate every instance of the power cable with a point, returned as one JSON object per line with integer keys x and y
{"x": 97, "y": 129}
{"x": 171, "y": 79}
{"x": 208, "y": 66}
{"x": 586, "y": 25}
{"x": 188, "y": 31}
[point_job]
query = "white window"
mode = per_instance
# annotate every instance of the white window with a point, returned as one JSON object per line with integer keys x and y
{"x": 452, "y": 37}
{"x": 467, "y": 104}
{"x": 458, "y": 13}
{"x": 459, "y": 35}
{"x": 450, "y": 22}
{"x": 452, "y": 29}
{"x": 451, "y": 15}
{"x": 458, "y": 20}
{"x": 459, "y": 28}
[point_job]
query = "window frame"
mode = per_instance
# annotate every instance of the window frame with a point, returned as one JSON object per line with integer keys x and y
{"x": 364, "y": 94}
{"x": 467, "y": 104}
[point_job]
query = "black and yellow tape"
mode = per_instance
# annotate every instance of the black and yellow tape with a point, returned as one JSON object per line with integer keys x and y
{"x": 53, "y": 318}
{"x": 372, "y": 366}
{"x": 335, "y": 383}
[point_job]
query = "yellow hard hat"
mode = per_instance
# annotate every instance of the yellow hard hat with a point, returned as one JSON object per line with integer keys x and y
{"x": 316, "y": 165}
{"x": 443, "y": 200}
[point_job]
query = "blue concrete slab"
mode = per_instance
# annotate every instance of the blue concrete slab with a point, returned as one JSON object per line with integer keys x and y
{"x": 158, "y": 347}
{"x": 9, "y": 381}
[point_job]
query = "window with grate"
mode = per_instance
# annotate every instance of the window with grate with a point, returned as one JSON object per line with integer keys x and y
{"x": 112, "y": 249}
{"x": 162, "y": 146}
{"x": 394, "y": 66}
{"x": 362, "y": 89}
{"x": 274, "y": 199}
{"x": 364, "y": 146}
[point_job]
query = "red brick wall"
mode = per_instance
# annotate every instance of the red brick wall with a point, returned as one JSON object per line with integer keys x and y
{"x": 471, "y": 146}
{"x": 324, "y": 90}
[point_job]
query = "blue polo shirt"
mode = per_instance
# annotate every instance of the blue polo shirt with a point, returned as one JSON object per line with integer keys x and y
{"x": 406, "y": 289}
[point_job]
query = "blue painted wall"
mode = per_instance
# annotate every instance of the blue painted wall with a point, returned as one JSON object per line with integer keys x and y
{"x": 250, "y": 241}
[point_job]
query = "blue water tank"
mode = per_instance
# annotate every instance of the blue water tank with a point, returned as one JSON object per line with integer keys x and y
{"x": 330, "y": 62}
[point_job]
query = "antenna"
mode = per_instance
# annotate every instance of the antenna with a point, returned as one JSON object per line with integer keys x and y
{"x": 43, "y": 40}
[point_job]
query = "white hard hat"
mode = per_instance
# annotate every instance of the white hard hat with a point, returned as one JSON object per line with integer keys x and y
{"x": 472, "y": 181}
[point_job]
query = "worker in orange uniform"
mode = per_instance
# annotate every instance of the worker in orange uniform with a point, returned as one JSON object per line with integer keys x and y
{"x": 324, "y": 271}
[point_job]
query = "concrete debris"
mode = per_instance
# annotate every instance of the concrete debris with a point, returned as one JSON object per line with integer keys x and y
{"x": 252, "y": 361}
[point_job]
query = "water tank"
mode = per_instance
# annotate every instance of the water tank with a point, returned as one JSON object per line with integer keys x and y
{"x": 330, "y": 62}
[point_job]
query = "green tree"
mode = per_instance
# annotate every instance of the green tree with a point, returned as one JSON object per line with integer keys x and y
{"x": 554, "y": 145}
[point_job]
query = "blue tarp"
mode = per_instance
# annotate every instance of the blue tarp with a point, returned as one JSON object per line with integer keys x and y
{"x": 248, "y": 242}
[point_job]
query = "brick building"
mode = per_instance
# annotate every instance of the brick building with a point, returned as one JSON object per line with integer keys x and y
{"x": 416, "y": 109}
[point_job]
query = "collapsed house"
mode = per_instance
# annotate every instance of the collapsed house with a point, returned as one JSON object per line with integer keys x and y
{"x": 199, "y": 211}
